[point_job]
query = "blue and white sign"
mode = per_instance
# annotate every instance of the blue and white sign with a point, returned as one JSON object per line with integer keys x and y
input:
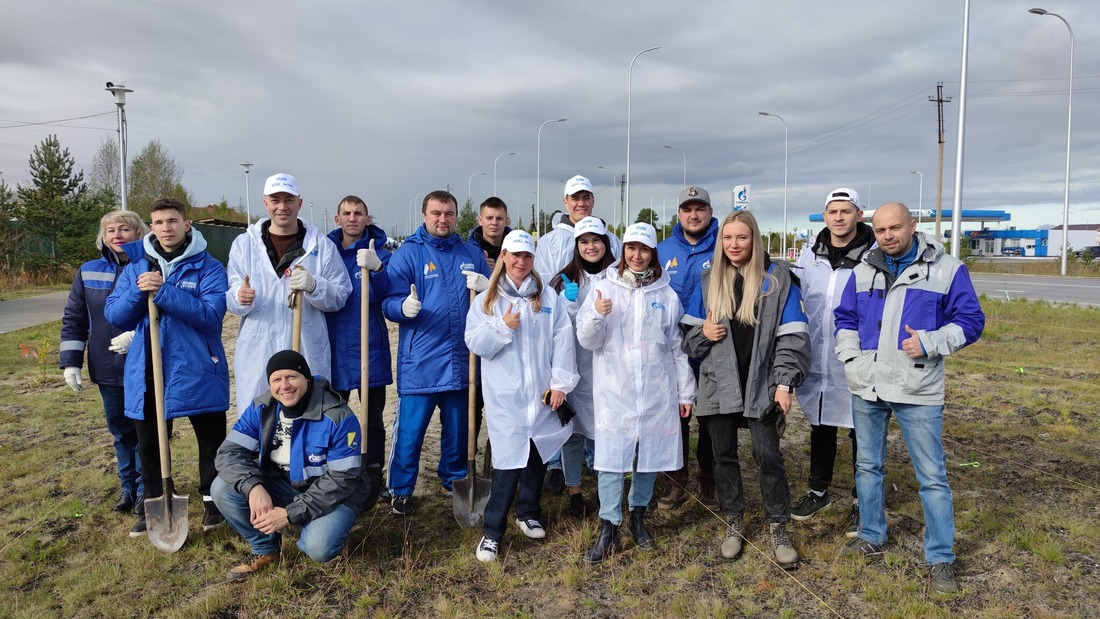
{"x": 741, "y": 197}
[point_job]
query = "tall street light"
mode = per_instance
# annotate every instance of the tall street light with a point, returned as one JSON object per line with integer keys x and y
{"x": 119, "y": 92}
{"x": 412, "y": 211}
{"x": 470, "y": 184}
{"x": 247, "y": 203}
{"x": 495, "y": 169}
{"x": 614, "y": 178}
{"x": 538, "y": 172}
{"x": 1069, "y": 137}
{"x": 629, "y": 77}
{"x": 685, "y": 162}
{"x": 920, "y": 195}
{"x": 783, "y": 243}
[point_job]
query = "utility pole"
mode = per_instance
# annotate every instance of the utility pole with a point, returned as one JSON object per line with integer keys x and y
{"x": 622, "y": 203}
{"x": 939, "y": 101}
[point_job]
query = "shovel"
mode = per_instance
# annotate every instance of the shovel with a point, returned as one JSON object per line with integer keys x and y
{"x": 471, "y": 493}
{"x": 373, "y": 473}
{"x": 166, "y": 515}
{"x": 296, "y": 325}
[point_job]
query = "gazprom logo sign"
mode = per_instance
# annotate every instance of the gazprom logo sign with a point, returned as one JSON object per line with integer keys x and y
{"x": 741, "y": 197}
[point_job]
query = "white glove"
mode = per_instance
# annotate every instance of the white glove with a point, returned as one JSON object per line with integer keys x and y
{"x": 410, "y": 307}
{"x": 72, "y": 377}
{"x": 368, "y": 258}
{"x": 121, "y": 343}
{"x": 476, "y": 281}
{"x": 300, "y": 279}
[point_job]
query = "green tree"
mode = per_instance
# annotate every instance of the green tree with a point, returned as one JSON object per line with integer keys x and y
{"x": 12, "y": 236}
{"x": 104, "y": 173}
{"x": 647, "y": 215}
{"x": 155, "y": 174}
{"x": 54, "y": 195}
{"x": 467, "y": 219}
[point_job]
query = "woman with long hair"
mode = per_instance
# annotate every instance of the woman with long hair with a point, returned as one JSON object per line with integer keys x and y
{"x": 630, "y": 322}
{"x": 752, "y": 336}
{"x": 525, "y": 340}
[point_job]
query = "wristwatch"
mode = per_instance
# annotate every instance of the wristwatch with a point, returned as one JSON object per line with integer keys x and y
{"x": 786, "y": 388}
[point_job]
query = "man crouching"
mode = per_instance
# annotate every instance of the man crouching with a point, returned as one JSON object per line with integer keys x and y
{"x": 293, "y": 457}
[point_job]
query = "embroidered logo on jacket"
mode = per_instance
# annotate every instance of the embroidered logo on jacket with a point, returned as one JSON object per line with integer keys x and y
{"x": 671, "y": 264}
{"x": 315, "y": 459}
{"x": 429, "y": 268}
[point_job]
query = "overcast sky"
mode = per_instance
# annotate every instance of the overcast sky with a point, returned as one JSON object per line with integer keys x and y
{"x": 391, "y": 100}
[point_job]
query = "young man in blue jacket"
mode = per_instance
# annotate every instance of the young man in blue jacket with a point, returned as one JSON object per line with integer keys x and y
{"x": 431, "y": 276}
{"x": 188, "y": 287}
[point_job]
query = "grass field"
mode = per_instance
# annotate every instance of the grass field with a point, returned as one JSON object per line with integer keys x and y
{"x": 1022, "y": 435}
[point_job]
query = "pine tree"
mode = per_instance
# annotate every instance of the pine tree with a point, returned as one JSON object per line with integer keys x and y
{"x": 54, "y": 194}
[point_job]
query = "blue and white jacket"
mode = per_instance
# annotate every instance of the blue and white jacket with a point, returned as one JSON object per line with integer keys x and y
{"x": 431, "y": 350}
{"x": 325, "y": 455}
{"x": 343, "y": 324}
{"x": 83, "y": 325}
{"x": 685, "y": 262}
{"x": 192, "y": 305}
{"x": 933, "y": 296}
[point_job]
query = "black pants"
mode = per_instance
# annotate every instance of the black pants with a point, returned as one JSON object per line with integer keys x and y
{"x": 704, "y": 454}
{"x": 823, "y": 457}
{"x": 376, "y": 430}
{"x": 769, "y": 460}
{"x": 503, "y": 493}
{"x": 209, "y": 432}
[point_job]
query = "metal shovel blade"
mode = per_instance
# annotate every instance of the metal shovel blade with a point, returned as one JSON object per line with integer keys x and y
{"x": 471, "y": 494}
{"x": 166, "y": 518}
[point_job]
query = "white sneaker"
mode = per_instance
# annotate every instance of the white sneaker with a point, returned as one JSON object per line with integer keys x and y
{"x": 531, "y": 528}
{"x": 487, "y": 550}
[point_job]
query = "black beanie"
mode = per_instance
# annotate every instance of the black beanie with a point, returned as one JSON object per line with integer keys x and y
{"x": 288, "y": 360}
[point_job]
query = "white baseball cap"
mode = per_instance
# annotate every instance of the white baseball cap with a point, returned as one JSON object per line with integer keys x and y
{"x": 281, "y": 183}
{"x": 577, "y": 183}
{"x": 843, "y": 194}
{"x": 641, "y": 233}
{"x": 589, "y": 224}
{"x": 517, "y": 241}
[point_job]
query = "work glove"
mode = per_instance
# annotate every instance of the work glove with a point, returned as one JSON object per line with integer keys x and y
{"x": 121, "y": 343}
{"x": 410, "y": 307}
{"x": 476, "y": 281}
{"x": 571, "y": 289}
{"x": 368, "y": 258}
{"x": 72, "y": 377}
{"x": 300, "y": 279}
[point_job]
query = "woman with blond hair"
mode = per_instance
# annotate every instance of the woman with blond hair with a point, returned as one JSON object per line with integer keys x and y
{"x": 84, "y": 328}
{"x": 753, "y": 339}
{"x": 524, "y": 337}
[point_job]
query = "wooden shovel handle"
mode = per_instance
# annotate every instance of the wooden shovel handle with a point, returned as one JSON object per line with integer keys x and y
{"x": 158, "y": 389}
{"x": 296, "y": 328}
{"x": 364, "y": 357}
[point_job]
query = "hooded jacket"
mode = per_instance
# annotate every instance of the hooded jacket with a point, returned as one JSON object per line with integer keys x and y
{"x": 493, "y": 251}
{"x": 555, "y": 248}
{"x": 266, "y": 324}
{"x": 824, "y": 394}
{"x": 325, "y": 459}
{"x": 191, "y": 304}
{"x": 641, "y": 375}
{"x": 344, "y": 324}
{"x": 518, "y": 366}
{"x": 780, "y": 349}
{"x": 84, "y": 325}
{"x": 431, "y": 353}
{"x": 685, "y": 262}
{"x": 933, "y": 296}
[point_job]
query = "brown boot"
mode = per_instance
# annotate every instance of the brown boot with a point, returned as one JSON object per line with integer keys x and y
{"x": 708, "y": 495}
{"x": 257, "y": 563}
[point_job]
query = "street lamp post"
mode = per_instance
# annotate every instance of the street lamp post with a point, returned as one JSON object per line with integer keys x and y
{"x": 538, "y": 172}
{"x": 613, "y": 177}
{"x": 470, "y": 184}
{"x": 247, "y": 203}
{"x": 119, "y": 92}
{"x": 412, "y": 211}
{"x": 629, "y": 77}
{"x": 920, "y": 195}
{"x": 685, "y": 162}
{"x": 495, "y": 169}
{"x": 783, "y": 242}
{"x": 1069, "y": 139}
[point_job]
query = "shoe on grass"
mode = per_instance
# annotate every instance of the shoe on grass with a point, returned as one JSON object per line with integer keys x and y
{"x": 139, "y": 506}
{"x": 403, "y": 505}
{"x": 734, "y": 541}
{"x": 852, "y": 530}
{"x": 487, "y": 550}
{"x": 212, "y": 517}
{"x": 577, "y": 506}
{"x": 785, "y": 554}
{"x": 246, "y": 570}
{"x": 810, "y": 505}
{"x": 124, "y": 504}
{"x": 531, "y": 528}
{"x": 140, "y": 528}
{"x": 673, "y": 498}
{"x": 555, "y": 481}
{"x": 859, "y": 547}
{"x": 708, "y": 495}
{"x": 943, "y": 578}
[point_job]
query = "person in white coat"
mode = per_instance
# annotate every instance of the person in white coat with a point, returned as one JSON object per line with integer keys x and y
{"x": 524, "y": 337}
{"x": 630, "y": 320}
{"x": 591, "y": 257}
{"x": 276, "y": 256}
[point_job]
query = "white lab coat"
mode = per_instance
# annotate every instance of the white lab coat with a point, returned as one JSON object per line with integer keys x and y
{"x": 823, "y": 394}
{"x": 581, "y": 398}
{"x": 517, "y": 367}
{"x": 555, "y": 248}
{"x": 640, "y": 374}
{"x": 266, "y": 325}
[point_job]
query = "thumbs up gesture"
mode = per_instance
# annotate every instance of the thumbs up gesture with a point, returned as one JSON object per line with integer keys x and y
{"x": 492, "y": 263}
{"x": 712, "y": 330}
{"x": 245, "y": 294}
{"x": 511, "y": 319}
{"x": 571, "y": 289}
{"x": 368, "y": 258}
{"x": 911, "y": 345}
{"x": 602, "y": 305}
{"x": 410, "y": 307}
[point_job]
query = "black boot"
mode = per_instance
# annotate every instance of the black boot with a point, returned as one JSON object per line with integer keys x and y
{"x": 608, "y": 543}
{"x": 642, "y": 538}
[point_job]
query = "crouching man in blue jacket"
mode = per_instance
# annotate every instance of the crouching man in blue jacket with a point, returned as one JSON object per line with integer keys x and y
{"x": 293, "y": 457}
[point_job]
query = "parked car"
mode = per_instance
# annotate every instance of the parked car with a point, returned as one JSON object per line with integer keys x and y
{"x": 1093, "y": 250}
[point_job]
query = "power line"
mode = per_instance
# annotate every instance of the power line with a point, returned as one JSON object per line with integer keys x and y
{"x": 31, "y": 123}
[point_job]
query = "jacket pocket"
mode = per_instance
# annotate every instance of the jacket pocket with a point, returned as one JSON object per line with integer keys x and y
{"x": 858, "y": 372}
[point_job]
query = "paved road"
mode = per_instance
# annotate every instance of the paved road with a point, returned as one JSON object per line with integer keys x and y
{"x": 1081, "y": 290}
{"x": 30, "y": 311}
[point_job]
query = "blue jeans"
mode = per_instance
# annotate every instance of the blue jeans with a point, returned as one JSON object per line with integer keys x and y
{"x": 577, "y": 450}
{"x": 503, "y": 492}
{"x": 321, "y": 538}
{"x": 922, "y": 428}
{"x": 611, "y": 493}
{"x": 414, "y": 412}
{"x": 126, "y": 443}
